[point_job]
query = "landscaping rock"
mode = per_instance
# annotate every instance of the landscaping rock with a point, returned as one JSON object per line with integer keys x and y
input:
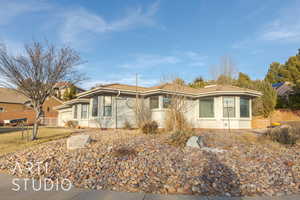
{"x": 195, "y": 142}
{"x": 213, "y": 150}
{"x": 157, "y": 167}
{"x": 78, "y": 141}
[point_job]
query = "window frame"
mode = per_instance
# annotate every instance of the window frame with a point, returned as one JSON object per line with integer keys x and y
{"x": 107, "y": 106}
{"x": 86, "y": 111}
{"x": 75, "y": 111}
{"x": 169, "y": 101}
{"x": 213, "y": 111}
{"x": 234, "y": 108}
{"x": 150, "y": 100}
{"x": 95, "y": 106}
{"x": 248, "y": 107}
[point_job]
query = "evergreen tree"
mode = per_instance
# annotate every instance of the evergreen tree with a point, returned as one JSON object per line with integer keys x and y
{"x": 72, "y": 92}
{"x": 198, "y": 83}
{"x": 244, "y": 81}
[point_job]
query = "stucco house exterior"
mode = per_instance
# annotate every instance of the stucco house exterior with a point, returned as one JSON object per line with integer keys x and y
{"x": 111, "y": 105}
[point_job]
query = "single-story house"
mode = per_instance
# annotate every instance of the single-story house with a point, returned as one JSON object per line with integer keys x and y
{"x": 112, "y": 105}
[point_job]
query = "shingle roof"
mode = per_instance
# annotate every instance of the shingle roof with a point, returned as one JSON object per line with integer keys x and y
{"x": 175, "y": 88}
{"x": 124, "y": 87}
{"x": 8, "y": 95}
{"x": 171, "y": 87}
{"x": 224, "y": 88}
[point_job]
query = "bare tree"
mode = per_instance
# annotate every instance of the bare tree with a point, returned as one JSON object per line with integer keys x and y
{"x": 176, "y": 103}
{"x": 225, "y": 71}
{"x": 35, "y": 73}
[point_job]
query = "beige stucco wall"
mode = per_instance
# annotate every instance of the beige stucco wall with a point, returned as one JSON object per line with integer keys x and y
{"x": 126, "y": 112}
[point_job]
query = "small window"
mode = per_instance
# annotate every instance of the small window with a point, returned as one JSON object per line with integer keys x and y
{"x": 95, "y": 107}
{"x": 166, "y": 102}
{"x": 75, "y": 111}
{"x": 107, "y": 103}
{"x": 84, "y": 111}
{"x": 48, "y": 109}
{"x": 228, "y": 107}
{"x": 206, "y": 107}
{"x": 244, "y": 107}
{"x": 154, "y": 102}
{"x": 1, "y": 109}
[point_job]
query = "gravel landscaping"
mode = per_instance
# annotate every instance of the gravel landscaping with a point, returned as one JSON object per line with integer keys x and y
{"x": 127, "y": 161}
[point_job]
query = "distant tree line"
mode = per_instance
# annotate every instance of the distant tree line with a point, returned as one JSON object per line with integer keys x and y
{"x": 226, "y": 74}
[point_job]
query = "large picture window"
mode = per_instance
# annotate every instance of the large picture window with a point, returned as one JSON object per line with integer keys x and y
{"x": 228, "y": 107}
{"x": 206, "y": 107}
{"x": 154, "y": 102}
{"x": 84, "y": 111}
{"x": 75, "y": 111}
{"x": 107, "y": 103}
{"x": 95, "y": 107}
{"x": 244, "y": 107}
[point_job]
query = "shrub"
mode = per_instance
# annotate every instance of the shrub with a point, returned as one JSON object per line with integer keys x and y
{"x": 127, "y": 125}
{"x": 180, "y": 138}
{"x": 175, "y": 121}
{"x": 71, "y": 124}
{"x": 284, "y": 134}
{"x": 150, "y": 127}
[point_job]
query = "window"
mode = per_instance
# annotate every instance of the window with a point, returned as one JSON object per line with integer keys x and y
{"x": 84, "y": 111}
{"x": 166, "y": 102}
{"x": 95, "y": 107}
{"x": 48, "y": 109}
{"x": 1, "y": 109}
{"x": 244, "y": 107}
{"x": 75, "y": 111}
{"x": 107, "y": 102}
{"x": 206, "y": 107}
{"x": 228, "y": 107}
{"x": 154, "y": 102}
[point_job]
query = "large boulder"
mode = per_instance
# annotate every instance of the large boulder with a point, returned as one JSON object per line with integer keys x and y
{"x": 195, "y": 142}
{"x": 78, "y": 141}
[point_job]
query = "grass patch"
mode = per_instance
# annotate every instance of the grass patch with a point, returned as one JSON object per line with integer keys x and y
{"x": 12, "y": 141}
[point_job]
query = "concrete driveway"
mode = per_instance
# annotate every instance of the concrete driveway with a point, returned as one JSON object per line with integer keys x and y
{"x": 7, "y": 185}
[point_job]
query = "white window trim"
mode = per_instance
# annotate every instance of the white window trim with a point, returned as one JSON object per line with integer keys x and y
{"x": 207, "y": 118}
{"x": 235, "y": 109}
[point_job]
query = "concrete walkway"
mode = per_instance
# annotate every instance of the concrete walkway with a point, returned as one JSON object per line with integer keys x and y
{"x": 6, "y": 193}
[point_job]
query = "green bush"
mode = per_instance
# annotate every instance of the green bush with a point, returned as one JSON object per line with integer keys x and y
{"x": 284, "y": 135}
{"x": 150, "y": 127}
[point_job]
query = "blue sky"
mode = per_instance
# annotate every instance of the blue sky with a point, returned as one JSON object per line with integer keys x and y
{"x": 159, "y": 38}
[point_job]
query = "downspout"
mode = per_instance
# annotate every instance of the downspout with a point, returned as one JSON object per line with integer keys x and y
{"x": 116, "y": 108}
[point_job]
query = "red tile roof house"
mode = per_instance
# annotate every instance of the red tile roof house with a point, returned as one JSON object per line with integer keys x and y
{"x": 110, "y": 106}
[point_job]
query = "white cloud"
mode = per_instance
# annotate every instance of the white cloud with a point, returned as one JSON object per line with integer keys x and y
{"x": 11, "y": 9}
{"x": 125, "y": 79}
{"x": 186, "y": 58}
{"x": 286, "y": 27}
{"x": 79, "y": 22}
{"x": 148, "y": 60}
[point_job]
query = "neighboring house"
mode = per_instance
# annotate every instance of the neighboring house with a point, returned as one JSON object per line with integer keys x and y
{"x": 14, "y": 105}
{"x": 61, "y": 87}
{"x": 110, "y": 106}
{"x": 284, "y": 89}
